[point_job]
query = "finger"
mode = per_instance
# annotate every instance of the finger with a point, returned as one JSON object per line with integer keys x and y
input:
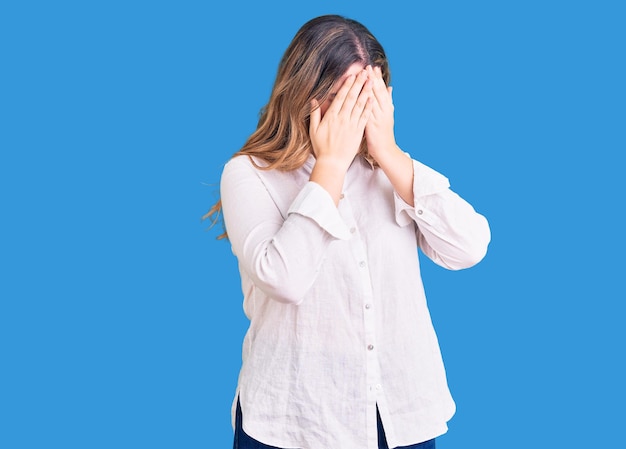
{"x": 378, "y": 76}
{"x": 316, "y": 116}
{"x": 379, "y": 88}
{"x": 379, "y": 72}
{"x": 352, "y": 95}
{"x": 387, "y": 103}
{"x": 362, "y": 100}
{"x": 376, "y": 110}
{"x": 335, "y": 105}
{"x": 366, "y": 113}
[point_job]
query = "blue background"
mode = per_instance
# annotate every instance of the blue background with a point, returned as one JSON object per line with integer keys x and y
{"x": 120, "y": 316}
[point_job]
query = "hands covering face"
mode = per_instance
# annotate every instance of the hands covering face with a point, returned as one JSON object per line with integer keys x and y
{"x": 362, "y": 106}
{"x": 379, "y": 129}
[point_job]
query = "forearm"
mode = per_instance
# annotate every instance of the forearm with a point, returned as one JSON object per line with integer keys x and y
{"x": 280, "y": 248}
{"x": 284, "y": 266}
{"x": 451, "y": 232}
{"x": 398, "y": 168}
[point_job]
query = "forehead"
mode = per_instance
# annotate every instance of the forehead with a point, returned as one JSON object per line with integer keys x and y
{"x": 352, "y": 70}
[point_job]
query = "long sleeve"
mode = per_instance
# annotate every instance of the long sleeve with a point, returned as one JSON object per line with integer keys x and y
{"x": 450, "y": 232}
{"x": 281, "y": 251}
{"x": 361, "y": 338}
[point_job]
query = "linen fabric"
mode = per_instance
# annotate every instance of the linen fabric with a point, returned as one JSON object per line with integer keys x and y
{"x": 339, "y": 322}
{"x": 244, "y": 441}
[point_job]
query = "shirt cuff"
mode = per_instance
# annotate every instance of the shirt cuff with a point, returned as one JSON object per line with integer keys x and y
{"x": 315, "y": 202}
{"x": 426, "y": 181}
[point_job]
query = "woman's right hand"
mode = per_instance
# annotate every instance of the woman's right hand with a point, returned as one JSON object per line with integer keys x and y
{"x": 338, "y": 134}
{"x": 336, "y": 137}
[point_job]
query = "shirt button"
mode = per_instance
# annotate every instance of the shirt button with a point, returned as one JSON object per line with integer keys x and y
{"x": 362, "y": 264}
{"x": 420, "y": 212}
{"x": 370, "y": 347}
{"x": 379, "y": 387}
{"x": 352, "y": 230}
{"x": 368, "y": 306}
{"x": 341, "y": 196}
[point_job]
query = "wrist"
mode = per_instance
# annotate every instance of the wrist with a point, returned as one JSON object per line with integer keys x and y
{"x": 332, "y": 164}
{"x": 384, "y": 152}
{"x": 329, "y": 172}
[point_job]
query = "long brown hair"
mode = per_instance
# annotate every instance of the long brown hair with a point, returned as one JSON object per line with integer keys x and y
{"x": 320, "y": 53}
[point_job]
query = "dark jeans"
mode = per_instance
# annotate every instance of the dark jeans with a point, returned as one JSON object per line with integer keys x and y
{"x": 243, "y": 441}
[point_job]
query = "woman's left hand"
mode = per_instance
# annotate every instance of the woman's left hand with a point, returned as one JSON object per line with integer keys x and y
{"x": 379, "y": 129}
{"x": 381, "y": 140}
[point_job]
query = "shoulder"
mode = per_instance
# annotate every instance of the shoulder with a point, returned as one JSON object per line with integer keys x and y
{"x": 238, "y": 162}
{"x": 242, "y": 166}
{"x": 244, "y": 169}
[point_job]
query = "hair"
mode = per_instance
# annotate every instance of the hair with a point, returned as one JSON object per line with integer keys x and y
{"x": 320, "y": 53}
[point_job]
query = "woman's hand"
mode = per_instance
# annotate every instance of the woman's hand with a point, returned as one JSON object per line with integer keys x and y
{"x": 336, "y": 137}
{"x": 381, "y": 140}
{"x": 379, "y": 130}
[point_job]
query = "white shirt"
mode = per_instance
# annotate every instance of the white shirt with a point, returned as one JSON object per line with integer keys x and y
{"x": 338, "y": 317}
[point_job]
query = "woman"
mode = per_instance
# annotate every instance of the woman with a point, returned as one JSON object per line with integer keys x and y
{"x": 324, "y": 213}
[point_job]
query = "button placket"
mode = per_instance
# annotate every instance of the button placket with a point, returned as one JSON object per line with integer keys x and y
{"x": 369, "y": 324}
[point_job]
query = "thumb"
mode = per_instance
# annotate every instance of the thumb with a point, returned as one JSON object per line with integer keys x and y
{"x": 316, "y": 116}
